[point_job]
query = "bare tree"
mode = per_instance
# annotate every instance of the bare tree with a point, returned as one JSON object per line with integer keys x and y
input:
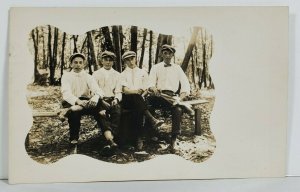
{"x": 63, "y": 54}
{"x": 75, "y": 38}
{"x": 150, "y": 50}
{"x": 35, "y": 45}
{"x": 107, "y": 44}
{"x": 143, "y": 48}
{"x": 117, "y": 48}
{"x": 190, "y": 48}
{"x": 133, "y": 41}
{"x": 54, "y": 57}
{"x": 91, "y": 56}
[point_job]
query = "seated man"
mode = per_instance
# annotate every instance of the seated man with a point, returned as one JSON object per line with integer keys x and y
{"x": 164, "y": 79}
{"x": 134, "y": 84}
{"x": 80, "y": 89}
{"x": 108, "y": 80}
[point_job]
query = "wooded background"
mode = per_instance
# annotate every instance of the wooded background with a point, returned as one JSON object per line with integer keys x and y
{"x": 52, "y": 48}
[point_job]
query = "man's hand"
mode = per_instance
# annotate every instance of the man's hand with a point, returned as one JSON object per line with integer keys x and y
{"x": 183, "y": 96}
{"x": 92, "y": 102}
{"x": 140, "y": 91}
{"x": 154, "y": 90}
{"x": 105, "y": 105}
{"x": 82, "y": 103}
{"x": 114, "y": 102}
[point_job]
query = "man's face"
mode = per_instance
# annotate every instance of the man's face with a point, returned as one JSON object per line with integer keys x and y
{"x": 167, "y": 56}
{"x": 130, "y": 62}
{"x": 77, "y": 64}
{"x": 107, "y": 62}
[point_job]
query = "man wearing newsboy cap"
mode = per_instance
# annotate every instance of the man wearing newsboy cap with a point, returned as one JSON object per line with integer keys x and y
{"x": 165, "y": 77}
{"x": 108, "y": 80}
{"x": 134, "y": 83}
{"x": 82, "y": 94}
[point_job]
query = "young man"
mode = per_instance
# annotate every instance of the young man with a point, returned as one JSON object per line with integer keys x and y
{"x": 165, "y": 78}
{"x": 134, "y": 83}
{"x": 108, "y": 80}
{"x": 80, "y": 88}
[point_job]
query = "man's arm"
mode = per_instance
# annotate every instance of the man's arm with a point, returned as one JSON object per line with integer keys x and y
{"x": 67, "y": 91}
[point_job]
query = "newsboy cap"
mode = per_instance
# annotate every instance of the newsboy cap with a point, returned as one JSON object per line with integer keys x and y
{"x": 76, "y": 55}
{"x": 128, "y": 54}
{"x": 108, "y": 54}
{"x": 168, "y": 47}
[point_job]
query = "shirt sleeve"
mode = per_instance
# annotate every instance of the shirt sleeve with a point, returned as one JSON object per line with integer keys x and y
{"x": 152, "y": 77}
{"x": 185, "y": 85}
{"x": 95, "y": 89}
{"x": 67, "y": 91}
{"x": 145, "y": 80}
{"x": 118, "y": 89}
{"x": 123, "y": 80}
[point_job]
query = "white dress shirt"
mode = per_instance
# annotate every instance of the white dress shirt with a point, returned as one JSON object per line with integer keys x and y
{"x": 134, "y": 79}
{"x": 75, "y": 85}
{"x": 168, "y": 78}
{"x": 109, "y": 82}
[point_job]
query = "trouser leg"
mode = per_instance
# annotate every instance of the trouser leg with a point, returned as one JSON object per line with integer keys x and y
{"x": 115, "y": 115}
{"x": 176, "y": 120}
{"x": 74, "y": 124}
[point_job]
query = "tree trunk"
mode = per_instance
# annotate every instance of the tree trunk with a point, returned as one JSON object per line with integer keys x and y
{"x": 107, "y": 45}
{"x": 83, "y": 45}
{"x": 150, "y": 51}
{"x": 190, "y": 48}
{"x": 203, "y": 76}
{"x": 133, "y": 42}
{"x": 116, "y": 40}
{"x": 35, "y": 46}
{"x": 162, "y": 39}
{"x": 143, "y": 48}
{"x": 44, "y": 51}
{"x": 63, "y": 55}
{"x": 75, "y": 38}
{"x": 49, "y": 58}
{"x": 54, "y": 57}
{"x": 91, "y": 56}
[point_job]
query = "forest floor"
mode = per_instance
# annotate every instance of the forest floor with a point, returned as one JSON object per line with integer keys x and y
{"x": 48, "y": 138}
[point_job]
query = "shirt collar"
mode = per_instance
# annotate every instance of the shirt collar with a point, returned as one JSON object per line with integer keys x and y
{"x": 80, "y": 74}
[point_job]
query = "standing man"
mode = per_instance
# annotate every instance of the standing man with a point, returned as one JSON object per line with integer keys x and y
{"x": 108, "y": 80}
{"x": 165, "y": 78}
{"x": 79, "y": 88}
{"x": 134, "y": 83}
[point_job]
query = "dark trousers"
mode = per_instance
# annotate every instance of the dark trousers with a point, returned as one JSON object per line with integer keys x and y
{"x": 137, "y": 105}
{"x": 161, "y": 103}
{"x": 113, "y": 115}
{"x": 74, "y": 118}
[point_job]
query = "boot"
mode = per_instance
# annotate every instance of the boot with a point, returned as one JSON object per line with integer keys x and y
{"x": 154, "y": 122}
{"x": 172, "y": 144}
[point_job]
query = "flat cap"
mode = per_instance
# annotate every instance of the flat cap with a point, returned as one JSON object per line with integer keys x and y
{"x": 128, "y": 54}
{"x": 76, "y": 55}
{"x": 108, "y": 54}
{"x": 168, "y": 47}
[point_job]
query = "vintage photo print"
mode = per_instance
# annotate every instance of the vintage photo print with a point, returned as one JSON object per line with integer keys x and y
{"x": 99, "y": 94}
{"x": 168, "y": 123}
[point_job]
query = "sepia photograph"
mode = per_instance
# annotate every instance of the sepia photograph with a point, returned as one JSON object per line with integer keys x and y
{"x": 120, "y": 94}
{"x": 145, "y": 93}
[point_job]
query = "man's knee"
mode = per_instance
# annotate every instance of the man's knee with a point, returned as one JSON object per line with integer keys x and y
{"x": 177, "y": 110}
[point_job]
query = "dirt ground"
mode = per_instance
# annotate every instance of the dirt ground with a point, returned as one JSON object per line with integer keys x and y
{"x": 48, "y": 138}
